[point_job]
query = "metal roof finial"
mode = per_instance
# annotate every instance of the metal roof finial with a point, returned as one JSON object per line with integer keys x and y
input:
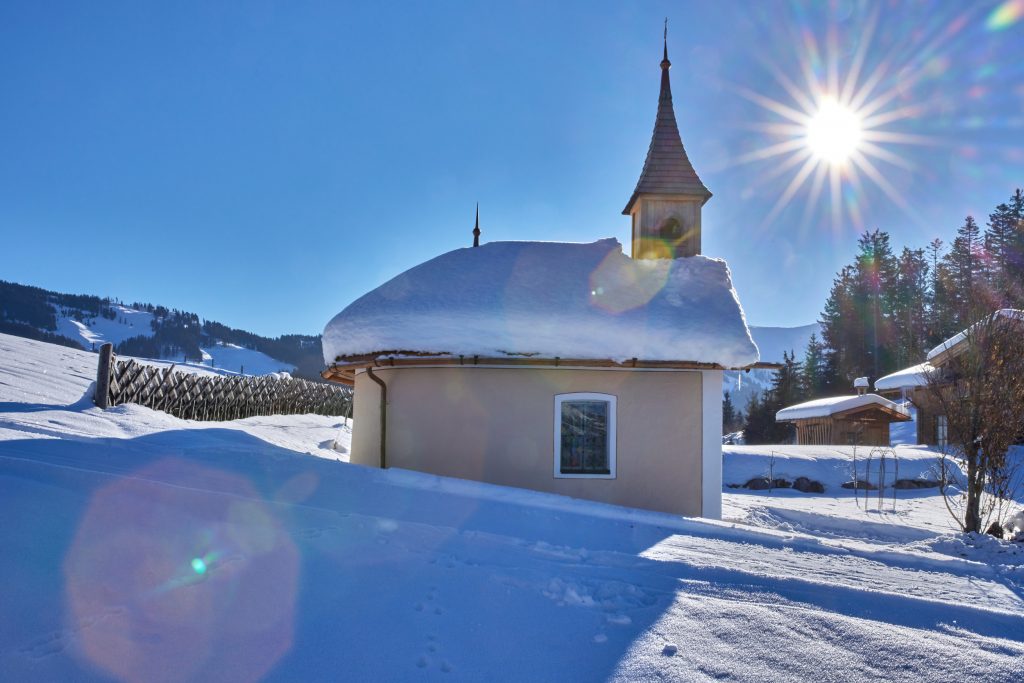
{"x": 664, "y": 61}
{"x": 476, "y": 228}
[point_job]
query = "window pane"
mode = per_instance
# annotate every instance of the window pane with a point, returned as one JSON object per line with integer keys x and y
{"x": 585, "y": 437}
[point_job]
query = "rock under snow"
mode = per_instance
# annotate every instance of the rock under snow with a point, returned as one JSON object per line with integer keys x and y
{"x": 551, "y": 299}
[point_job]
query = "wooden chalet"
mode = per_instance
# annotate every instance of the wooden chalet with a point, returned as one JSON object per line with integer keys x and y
{"x": 911, "y": 383}
{"x": 844, "y": 420}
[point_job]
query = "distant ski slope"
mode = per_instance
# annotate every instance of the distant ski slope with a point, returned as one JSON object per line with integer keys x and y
{"x": 133, "y": 323}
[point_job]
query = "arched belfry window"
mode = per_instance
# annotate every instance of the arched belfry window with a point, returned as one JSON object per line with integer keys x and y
{"x": 670, "y": 229}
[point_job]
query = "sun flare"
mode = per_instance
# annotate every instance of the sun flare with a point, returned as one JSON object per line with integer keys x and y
{"x": 834, "y": 132}
{"x": 837, "y": 119}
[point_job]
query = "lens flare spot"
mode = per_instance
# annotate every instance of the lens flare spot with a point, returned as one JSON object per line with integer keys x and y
{"x": 1006, "y": 15}
{"x": 147, "y": 543}
{"x": 617, "y": 285}
{"x": 834, "y": 132}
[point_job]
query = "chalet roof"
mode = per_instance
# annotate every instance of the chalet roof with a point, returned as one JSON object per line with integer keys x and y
{"x": 914, "y": 376}
{"x": 537, "y": 300}
{"x": 955, "y": 344}
{"x": 667, "y": 169}
{"x": 837, "y": 405}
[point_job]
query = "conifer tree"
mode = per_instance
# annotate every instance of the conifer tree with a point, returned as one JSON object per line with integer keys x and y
{"x": 730, "y": 418}
{"x": 909, "y": 307}
{"x": 812, "y": 378}
{"x": 963, "y": 263}
{"x": 759, "y": 419}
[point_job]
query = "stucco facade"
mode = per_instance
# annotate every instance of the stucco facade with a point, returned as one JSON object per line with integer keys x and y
{"x": 496, "y": 425}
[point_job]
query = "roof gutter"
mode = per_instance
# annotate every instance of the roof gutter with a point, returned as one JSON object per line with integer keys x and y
{"x": 383, "y": 416}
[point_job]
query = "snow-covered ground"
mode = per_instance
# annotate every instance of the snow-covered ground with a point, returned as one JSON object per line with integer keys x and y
{"x": 904, "y": 514}
{"x": 141, "y": 547}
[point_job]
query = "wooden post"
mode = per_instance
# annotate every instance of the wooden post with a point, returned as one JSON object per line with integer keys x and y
{"x": 102, "y": 395}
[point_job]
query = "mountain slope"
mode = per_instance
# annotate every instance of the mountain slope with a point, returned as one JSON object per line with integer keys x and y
{"x": 145, "y": 330}
{"x": 773, "y": 341}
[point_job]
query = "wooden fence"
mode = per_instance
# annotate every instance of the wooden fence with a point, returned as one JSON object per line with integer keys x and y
{"x": 212, "y": 397}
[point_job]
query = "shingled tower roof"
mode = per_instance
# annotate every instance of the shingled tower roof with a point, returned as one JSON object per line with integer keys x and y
{"x": 667, "y": 169}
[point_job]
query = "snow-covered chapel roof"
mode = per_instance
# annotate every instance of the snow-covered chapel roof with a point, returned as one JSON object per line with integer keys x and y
{"x": 549, "y": 300}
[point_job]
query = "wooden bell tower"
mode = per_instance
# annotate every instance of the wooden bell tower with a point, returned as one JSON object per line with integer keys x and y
{"x": 666, "y": 204}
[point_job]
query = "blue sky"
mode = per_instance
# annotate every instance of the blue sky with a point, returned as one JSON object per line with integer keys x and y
{"x": 264, "y": 164}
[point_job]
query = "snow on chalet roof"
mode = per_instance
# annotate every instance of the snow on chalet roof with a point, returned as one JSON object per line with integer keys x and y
{"x": 824, "y": 407}
{"x": 548, "y": 300}
{"x": 957, "y": 339}
{"x": 914, "y": 376}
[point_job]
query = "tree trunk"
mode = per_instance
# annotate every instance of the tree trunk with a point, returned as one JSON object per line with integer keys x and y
{"x": 975, "y": 485}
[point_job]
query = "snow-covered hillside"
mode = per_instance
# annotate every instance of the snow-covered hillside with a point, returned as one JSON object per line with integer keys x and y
{"x": 771, "y": 343}
{"x": 142, "y": 547}
{"x": 93, "y": 332}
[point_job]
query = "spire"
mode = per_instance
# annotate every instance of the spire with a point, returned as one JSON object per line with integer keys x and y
{"x": 665, "y": 64}
{"x": 476, "y": 228}
{"x": 667, "y": 169}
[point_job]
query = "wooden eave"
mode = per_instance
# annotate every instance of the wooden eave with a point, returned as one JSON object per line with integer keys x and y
{"x": 344, "y": 369}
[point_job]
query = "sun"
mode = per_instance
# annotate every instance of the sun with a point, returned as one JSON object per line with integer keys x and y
{"x": 833, "y": 132}
{"x": 839, "y": 122}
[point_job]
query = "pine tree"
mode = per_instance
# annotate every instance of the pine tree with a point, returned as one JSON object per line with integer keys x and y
{"x": 1005, "y": 239}
{"x": 812, "y": 378}
{"x": 940, "y": 315}
{"x": 787, "y": 388}
{"x": 858, "y": 321}
{"x": 965, "y": 264}
{"x": 910, "y": 307}
{"x": 760, "y": 419}
{"x": 729, "y": 416}
{"x": 998, "y": 236}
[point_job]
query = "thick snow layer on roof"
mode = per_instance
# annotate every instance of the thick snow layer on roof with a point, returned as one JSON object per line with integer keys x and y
{"x": 955, "y": 340}
{"x": 551, "y": 299}
{"x": 823, "y": 407}
{"x": 914, "y": 376}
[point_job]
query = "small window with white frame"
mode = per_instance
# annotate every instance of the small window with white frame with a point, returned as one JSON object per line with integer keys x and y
{"x": 585, "y": 436}
{"x": 941, "y": 431}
